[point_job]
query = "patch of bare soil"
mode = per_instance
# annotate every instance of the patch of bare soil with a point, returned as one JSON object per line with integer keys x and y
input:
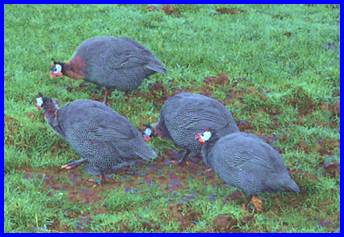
{"x": 170, "y": 10}
{"x": 229, "y": 11}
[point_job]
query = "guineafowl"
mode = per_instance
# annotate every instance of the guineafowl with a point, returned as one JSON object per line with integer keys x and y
{"x": 245, "y": 161}
{"x": 113, "y": 63}
{"x": 185, "y": 114}
{"x": 104, "y": 139}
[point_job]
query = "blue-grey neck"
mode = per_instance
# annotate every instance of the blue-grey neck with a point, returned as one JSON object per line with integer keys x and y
{"x": 51, "y": 116}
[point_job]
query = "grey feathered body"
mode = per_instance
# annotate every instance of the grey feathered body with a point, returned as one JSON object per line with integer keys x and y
{"x": 100, "y": 135}
{"x": 119, "y": 63}
{"x": 245, "y": 161}
{"x": 185, "y": 114}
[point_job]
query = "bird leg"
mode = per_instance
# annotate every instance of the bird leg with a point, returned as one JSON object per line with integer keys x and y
{"x": 183, "y": 159}
{"x": 101, "y": 180}
{"x": 256, "y": 202}
{"x": 102, "y": 177}
{"x": 73, "y": 164}
{"x": 107, "y": 93}
{"x": 124, "y": 164}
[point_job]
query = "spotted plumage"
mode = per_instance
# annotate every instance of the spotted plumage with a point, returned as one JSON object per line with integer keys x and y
{"x": 185, "y": 114}
{"x": 114, "y": 63}
{"x": 103, "y": 138}
{"x": 245, "y": 161}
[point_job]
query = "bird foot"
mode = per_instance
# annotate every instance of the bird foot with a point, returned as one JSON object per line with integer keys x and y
{"x": 69, "y": 166}
{"x": 255, "y": 203}
{"x": 182, "y": 157}
{"x": 98, "y": 181}
{"x": 178, "y": 162}
{"x": 95, "y": 182}
{"x": 73, "y": 164}
{"x": 181, "y": 161}
{"x": 105, "y": 101}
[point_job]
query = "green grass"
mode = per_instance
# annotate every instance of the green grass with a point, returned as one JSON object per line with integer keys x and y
{"x": 282, "y": 62}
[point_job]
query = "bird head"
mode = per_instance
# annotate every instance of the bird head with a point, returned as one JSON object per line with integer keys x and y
{"x": 204, "y": 136}
{"x": 148, "y": 132}
{"x": 56, "y": 69}
{"x": 46, "y": 103}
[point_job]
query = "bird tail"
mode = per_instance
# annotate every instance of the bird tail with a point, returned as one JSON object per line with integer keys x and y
{"x": 156, "y": 68}
{"x": 146, "y": 153}
{"x": 292, "y": 186}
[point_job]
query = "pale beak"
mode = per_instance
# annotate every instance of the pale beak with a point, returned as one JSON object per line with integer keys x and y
{"x": 56, "y": 74}
{"x": 199, "y": 138}
{"x": 146, "y": 138}
{"x": 38, "y": 107}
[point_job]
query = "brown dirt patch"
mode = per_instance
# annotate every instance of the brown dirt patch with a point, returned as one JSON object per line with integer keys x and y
{"x": 56, "y": 226}
{"x": 225, "y": 223}
{"x": 331, "y": 168}
{"x": 301, "y": 100}
{"x": 151, "y": 8}
{"x": 334, "y": 110}
{"x": 158, "y": 93}
{"x": 244, "y": 125}
{"x": 326, "y": 146}
{"x": 170, "y": 10}
{"x": 222, "y": 79}
{"x": 229, "y": 11}
{"x": 184, "y": 215}
{"x": 214, "y": 82}
{"x": 78, "y": 188}
{"x": 151, "y": 226}
{"x": 164, "y": 172}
